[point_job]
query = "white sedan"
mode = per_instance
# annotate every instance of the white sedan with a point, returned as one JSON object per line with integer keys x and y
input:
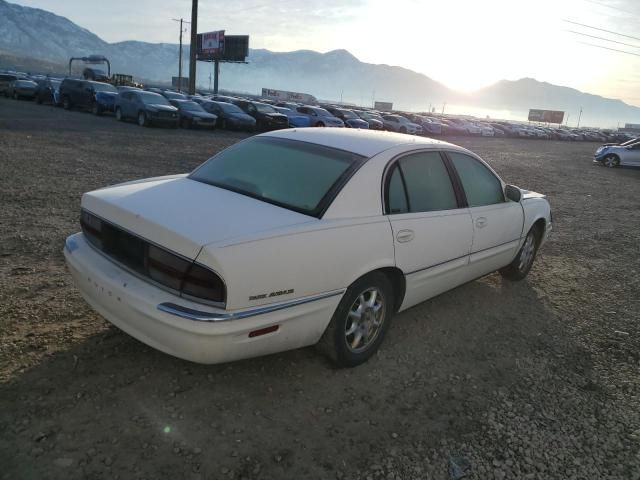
{"x": 298, "y": 237}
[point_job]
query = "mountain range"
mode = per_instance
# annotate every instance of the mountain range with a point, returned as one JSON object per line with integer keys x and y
{"x": 29, "y": 34}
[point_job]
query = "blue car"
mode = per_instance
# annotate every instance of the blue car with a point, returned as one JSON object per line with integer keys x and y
{"x": 349, "y": 118}
{"x": 295, "y": 119}
{"x": 319, "y": 117}
{"x": 105, "y": 96}
{"x": 95, "y": 96}
{"x": 147, "y": 108}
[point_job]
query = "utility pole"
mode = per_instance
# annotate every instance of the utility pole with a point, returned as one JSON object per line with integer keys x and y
{"x": 193, "y": 47}
{"x": 443, "y": 105}
{"x": 579, "y": 117}
{"x": 182, "y": 30}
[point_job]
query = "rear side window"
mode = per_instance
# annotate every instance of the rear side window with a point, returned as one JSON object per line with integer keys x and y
{"x": 480, "y": 185}
{"x": 425, "y": 179}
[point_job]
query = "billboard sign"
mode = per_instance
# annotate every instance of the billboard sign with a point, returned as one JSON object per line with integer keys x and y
{"x": 213, "y": 43}
{"x": 285, "y": 96}
{"x": 546, "y": 116}
{"x": 383, "y": 106}
{"x": 224, "y": 48}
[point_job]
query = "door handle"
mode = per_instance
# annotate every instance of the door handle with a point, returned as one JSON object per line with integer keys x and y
{"x": 481, "y": 222}
{"x": 404, "y": 236}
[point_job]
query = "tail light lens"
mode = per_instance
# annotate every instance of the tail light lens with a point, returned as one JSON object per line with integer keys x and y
{"x": 162, "y": 266}
{"x": 166, "y": 268}
{"x": 200, "y": 282}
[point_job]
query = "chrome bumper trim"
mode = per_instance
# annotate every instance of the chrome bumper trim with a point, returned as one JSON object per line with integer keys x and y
{"x": 202, "y": 316}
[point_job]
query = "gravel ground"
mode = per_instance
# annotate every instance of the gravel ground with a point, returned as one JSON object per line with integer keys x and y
{"x": 494, "y": 380}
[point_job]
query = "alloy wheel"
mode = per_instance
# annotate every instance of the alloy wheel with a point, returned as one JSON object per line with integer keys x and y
{"x": 527, "y": 252}
{"x": 611, "y": 161}
{"x": 365, "y": 319}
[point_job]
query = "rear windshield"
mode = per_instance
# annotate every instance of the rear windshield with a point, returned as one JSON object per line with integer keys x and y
{"x": 295, "y": 175}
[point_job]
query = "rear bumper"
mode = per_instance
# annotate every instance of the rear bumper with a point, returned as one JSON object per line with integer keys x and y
{"x": 186, "y": 329}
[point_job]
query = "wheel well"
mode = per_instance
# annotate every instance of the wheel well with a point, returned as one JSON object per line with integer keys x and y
{"x": 398, "y": 282}
{"x": 539, "y": 225}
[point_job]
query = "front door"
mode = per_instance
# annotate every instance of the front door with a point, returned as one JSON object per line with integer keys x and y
{"x": 432, "y": 231}
{"x": 497, "y": 221}
{"x": 632, "y": 155}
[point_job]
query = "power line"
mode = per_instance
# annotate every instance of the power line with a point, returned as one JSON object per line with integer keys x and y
{"x": 605, "y": 39}
{"x": 612, "y": 49}
{"x": 601, "y": 29}
{"x": 612, "y": 8}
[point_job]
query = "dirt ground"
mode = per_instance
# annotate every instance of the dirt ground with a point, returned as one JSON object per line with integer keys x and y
{"x": 535, "y": 380}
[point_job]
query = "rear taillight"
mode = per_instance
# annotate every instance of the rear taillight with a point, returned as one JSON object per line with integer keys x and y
{"x": 200, "y": 282}
{"x": 165, "y": 267}
{"x": 162, "y": 266}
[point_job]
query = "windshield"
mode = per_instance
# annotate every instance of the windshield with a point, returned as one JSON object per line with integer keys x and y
{"x": 370, "y": 116}
{"x": 230, "y": 108}
{"x": 153, "y": 98}
{"x": 191, "y": 106}
{"x": 174, "y": 96}
{"x": 104, "y": 87}
{"x": 348, "y": 114}
{"x": 264, "y": 108}
{"x": 295, "y": 175}
{"x": 322, "y": 112}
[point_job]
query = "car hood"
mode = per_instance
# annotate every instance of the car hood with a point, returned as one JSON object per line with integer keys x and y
{"x": 200, "y": 115}
{"x": 183, "y": 215}
{"x": 275, "y": 116}
{"x": 242, "y": 117}
{"x": 161, "y": 108}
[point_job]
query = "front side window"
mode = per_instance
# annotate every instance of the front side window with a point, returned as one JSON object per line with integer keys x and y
{"x": 480, "y": 185}
{"x": 295, "y": 175}
{"x": 425, "y": 179}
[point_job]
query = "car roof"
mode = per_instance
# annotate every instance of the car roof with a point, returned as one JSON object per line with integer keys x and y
{"x": 361, "y": 142}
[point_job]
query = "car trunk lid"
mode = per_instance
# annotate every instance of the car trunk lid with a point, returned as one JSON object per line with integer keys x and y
{"x": 183, "y": 215}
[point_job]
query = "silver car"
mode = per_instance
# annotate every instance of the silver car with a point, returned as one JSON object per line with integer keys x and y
{"x": 627, "y": 153}
{"x": 397, "y": 123}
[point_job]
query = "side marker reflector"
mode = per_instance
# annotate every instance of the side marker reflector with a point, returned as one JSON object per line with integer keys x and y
{"x": 263, "y": 331}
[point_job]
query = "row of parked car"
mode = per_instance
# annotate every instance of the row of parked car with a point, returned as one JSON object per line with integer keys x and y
{"x": 160, "y": 106}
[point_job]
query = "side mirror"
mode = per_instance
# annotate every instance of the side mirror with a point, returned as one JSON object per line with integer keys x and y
{"x": 513, "y": 193}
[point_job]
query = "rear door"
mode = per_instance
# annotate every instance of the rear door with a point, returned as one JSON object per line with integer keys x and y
{"x": 497, "y": 221}
{"x": 432, "y": 231}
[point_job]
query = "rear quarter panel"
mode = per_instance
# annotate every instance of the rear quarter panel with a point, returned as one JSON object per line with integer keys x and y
{"x": 302, "y": 261}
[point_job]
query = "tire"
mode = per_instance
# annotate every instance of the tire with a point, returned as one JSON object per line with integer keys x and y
{"x": 368, "y": 330}
{"x": 223, "y": 124}
{"x": 142, "y": 119}
{"x": 611, "y": 161}
{"x": 66, "y": 103}
{"x": 119, "y": 116}
{"x": 402, "y": 130}
{"x": 520, "y": 266}
{"x": 319, "y": 124}
{"x": 183, "y": 123}
{"x": 15, "y": 96}
{"x": 39, "y": 100}
{"x": 95, "y": 109}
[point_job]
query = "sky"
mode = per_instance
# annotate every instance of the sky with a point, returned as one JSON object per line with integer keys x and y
{"x": 465, "y": 44}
